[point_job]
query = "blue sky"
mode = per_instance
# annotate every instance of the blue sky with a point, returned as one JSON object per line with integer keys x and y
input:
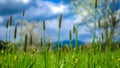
{"x": 39, "y": 10}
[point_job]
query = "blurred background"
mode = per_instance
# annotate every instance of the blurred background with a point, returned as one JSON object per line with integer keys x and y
{"x": 78, "y": 12}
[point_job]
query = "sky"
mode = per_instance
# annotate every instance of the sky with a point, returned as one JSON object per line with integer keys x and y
{"x": 38, "y": 10}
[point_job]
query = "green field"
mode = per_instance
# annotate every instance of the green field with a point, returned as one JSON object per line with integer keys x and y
{"x": 102, "y": 52}
{"x": 82, "y": 58}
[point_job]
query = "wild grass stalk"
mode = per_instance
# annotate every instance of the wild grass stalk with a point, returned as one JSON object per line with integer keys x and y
{"x": 31, "y": 41}
{"x": 10, "y": 28}
{"x": 41, "y": 42}
{"x": 99, "y": 24}
{"x": 32, "y": 64}
{"x": 76, "y": 41}
{"x": 7, "y": 24}
{"x": 25, "y": 43}
{"x": 15, "y": 35}
{"x": 88, "y": 61}
{"x": 15, "y": 32}
{"x": 95, "y": 3}
{"x": 23, "y": 14}
{"x": 94, "y": 34}
{"x": 59, "y": 47}
{"x": 44, "y": 28}
{"x": 49, "y": 44}
{"x": 70, "y": 37}
{"x": 44, "y": 45}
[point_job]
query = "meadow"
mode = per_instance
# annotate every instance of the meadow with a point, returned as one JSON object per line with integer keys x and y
{"x": 100, "y": 53}
{"x": 94, "y": 55}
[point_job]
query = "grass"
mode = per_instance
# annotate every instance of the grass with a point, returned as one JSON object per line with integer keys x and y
{"x": 68, "y": 60}
{"x": 88, "y": 56}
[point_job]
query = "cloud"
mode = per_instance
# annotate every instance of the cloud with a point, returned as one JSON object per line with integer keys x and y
{"x": 67, "y": 25}
{"x": 1, "y": 19}
{"x": 41, "y": 10}
{"x": 35, "y": 10}
{"x": 23, "y": 1}
{"x": 52, "y": 28}
{"x": 58, "y": 9}
{"x": 3, "y": 32}
{"x": 47, "y": 9}
{"x": 8, "y": 7}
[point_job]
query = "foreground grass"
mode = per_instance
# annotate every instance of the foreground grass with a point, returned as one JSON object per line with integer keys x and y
{"x": 81, "y": 59}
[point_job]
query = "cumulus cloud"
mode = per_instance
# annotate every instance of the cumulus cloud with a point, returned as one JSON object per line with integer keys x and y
{"x": 47, "y": 9}
{"x": 59, "y": 9}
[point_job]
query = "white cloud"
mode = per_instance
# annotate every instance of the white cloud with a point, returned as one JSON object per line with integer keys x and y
{"x": 18, "y": 1}
{"x": 80, "y": 16}
{"x": 58, "y": 9}
{"x": 23, "y": 1}
{"x": 1, "y": 19}
{"x": 47, "y": 9}
{"x": 52, "y": 7}
{"x": 78, "y": 19}
{"x": 67, "y": 25}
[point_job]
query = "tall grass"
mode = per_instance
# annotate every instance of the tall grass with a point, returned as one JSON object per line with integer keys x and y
{"x": 31, "y": 41}
{"x": 7, "y": 24}
{"x": 59, "y": 46}
{"x": 91, "y": 56}
{"x": 44, "y": 45}
{"x": 41, "y": 42}
{"x": 15, "y": 35}
{"x": 25, "y": 43}
{"x": 10, "y": 28}
{"x": 44, "y": 32}
{"x": 23, "y": 14}
{"x": 76, "y": 33}
{"x": 70, "y": 37}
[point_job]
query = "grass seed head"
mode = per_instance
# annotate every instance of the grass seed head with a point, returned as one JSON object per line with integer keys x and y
{"x": 44, "y": 25}
{"x": 60, "y": 21}
{"x": 15, "y": 32}
{"x": 95, "y": 3}
{"x": 7, "y": 23}
{"x": 41, "y": 42}
{"x": 74, "y": 29}
{"x": 70, "y": 35}
{"x": 99, "y": 24}
{"x": 23, "y": 13}
{"x": 11, "y": 20}
{"x": 25, "y": 45}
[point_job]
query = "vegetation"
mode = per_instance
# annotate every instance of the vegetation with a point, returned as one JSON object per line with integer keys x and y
{"x": 99, "y": 54}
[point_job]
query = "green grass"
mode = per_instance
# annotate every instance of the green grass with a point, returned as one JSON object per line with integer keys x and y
{"x": 89, "y": 56}
{"x": 82, "y": 59}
